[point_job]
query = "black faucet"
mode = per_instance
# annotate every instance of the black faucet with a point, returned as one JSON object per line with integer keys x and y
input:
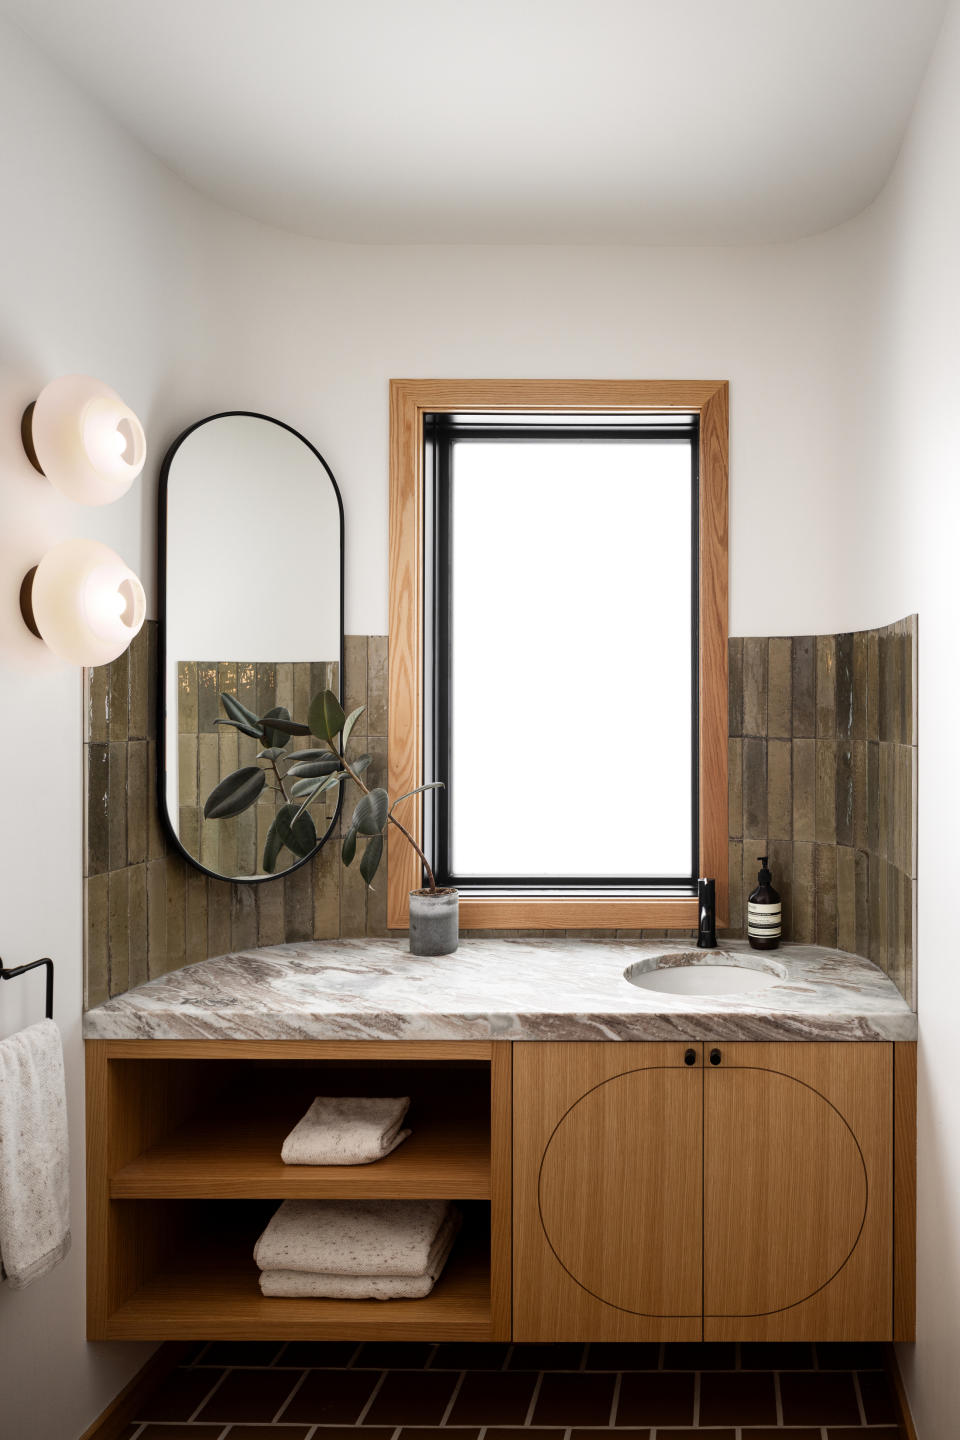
{"x": 707, "y": 914}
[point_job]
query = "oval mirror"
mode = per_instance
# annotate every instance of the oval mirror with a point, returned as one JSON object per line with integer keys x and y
{"x": 251, "y": 628}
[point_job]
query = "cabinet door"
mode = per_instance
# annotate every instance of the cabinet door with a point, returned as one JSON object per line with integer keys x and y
{"x": 797, "y": 1192}
{"x": 607, "y": 1192}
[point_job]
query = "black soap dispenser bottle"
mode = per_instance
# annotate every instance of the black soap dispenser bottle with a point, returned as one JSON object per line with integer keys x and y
{"x": 764, "y": 912}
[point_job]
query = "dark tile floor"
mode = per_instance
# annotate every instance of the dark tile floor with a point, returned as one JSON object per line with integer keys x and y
{"x": 342, "y": 1391}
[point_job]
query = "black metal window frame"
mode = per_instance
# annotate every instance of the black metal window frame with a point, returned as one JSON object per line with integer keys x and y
{"x": 442, "y": 432}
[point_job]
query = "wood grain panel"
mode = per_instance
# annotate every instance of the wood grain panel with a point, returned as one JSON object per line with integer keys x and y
{"x": 501, "y": 1189}
{"x": 797, "y": 1157}
{"x": 905, "y": 1191}
{"x": 409, "y": 401}
{"x": 607, "y": 1192}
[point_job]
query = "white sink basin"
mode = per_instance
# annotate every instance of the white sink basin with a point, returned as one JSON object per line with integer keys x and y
{"x": 704, "y": 972}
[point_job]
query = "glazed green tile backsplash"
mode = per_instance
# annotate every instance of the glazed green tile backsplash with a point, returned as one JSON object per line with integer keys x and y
{"x": 822, "y": 778}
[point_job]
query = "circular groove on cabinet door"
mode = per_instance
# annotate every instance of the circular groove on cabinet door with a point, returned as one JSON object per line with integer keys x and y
{"x": 814, "y": 1210}
{"x": 601, "y": 1189}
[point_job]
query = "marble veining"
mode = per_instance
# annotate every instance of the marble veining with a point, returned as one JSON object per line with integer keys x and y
{"x": 500, "y": 989}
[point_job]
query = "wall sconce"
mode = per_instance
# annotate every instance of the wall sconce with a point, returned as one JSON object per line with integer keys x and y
{"x": 84, "y": 602}
{"x": 84, "y": 439}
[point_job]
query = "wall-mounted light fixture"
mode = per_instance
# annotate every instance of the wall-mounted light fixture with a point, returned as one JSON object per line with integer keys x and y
{"x": 84, "y": 602}
{"x": 84, "y": 439}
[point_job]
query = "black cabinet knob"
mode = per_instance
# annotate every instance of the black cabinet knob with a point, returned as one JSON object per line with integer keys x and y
{"x": 690, "y": 1057}
{"x": 715, "y": 1057}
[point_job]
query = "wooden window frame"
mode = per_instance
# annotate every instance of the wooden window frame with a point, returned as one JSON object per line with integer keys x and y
{"x": 410, "y": 400}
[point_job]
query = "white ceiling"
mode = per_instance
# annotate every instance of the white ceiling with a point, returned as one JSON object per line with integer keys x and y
{"x": 652, "y": 121}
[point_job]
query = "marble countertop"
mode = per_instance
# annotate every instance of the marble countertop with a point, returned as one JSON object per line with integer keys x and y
{"x": 502, "y": 989}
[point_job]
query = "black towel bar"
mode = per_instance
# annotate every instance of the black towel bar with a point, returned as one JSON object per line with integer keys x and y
{"x": 22, "y": 970}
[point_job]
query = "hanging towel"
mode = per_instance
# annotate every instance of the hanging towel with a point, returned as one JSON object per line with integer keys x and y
{"x": 296, "y": 1284}
{"x": 353, "y": 1237}
{"x": 34, "y": 1158}
{"x": 347, "y": 1130}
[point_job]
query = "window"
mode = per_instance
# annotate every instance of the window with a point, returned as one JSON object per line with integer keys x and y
{"x": 558, "y": 646}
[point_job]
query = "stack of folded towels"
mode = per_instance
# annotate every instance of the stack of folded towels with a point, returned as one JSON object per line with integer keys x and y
{"x": 347, "y": 1130}
{"x": 356, "y": 1249}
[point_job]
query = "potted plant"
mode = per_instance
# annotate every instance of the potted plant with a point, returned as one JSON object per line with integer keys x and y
{"x": 301, "y": 777}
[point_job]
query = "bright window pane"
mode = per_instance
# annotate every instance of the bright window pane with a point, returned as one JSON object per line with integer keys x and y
{"x": 571, "y": 645}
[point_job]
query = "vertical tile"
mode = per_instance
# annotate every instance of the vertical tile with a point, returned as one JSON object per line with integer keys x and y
{"x": 753, "y": 848}
{"x": 826, "y": 883}
{"x": 879, "y": 952}
{"x": 208, "y": 696}
{"x": 270, "y": 912}
{"x": 858, "y": 726}
{"x": 873, "y": 797}
{"x": 376, "y": 746}
{"x": 780, "y": 688}
{"x": 826, "y": 687}
{"x": 844, "y": 686}
{"x": 208, "y": 777}
{"x": 355, "y": 677}
{"x": 96, "y": 906}
{"x": 735, "y": 686}
{"x": 285, "y": 688}
{"x": 779, "y": 790}
{"x": 118, "y": 901}
{"x": 266, "y": 686}
{"x": 326, "y": 891}
{"x": 804, "y": 920}
{"x": 152, "y": 632}
{"x": 377, "y": 902}
{"x": 804, "y": 789}
{"x": 858, "y": 766}
{"x": 755, "y": 670}
{"x": 119, "y": 697}
{"x": 377, "y": 685}
{"x": 187, "y": 774}
{"x": 735, "y": 882}
{"x": 735, "y": 786}
{"x": 117, "y": 809}
{"x": 138, "y": 722}
{"x": 885, "y": 799}
{"x": 196, "y": 916}
{"x": 187, "y": 710}
{"x": 98, "y": 810}
{"x": 903, "y": 809}
{"x": 754, "y": 786}
{"x": 890, "y": 672}
{"x": 844, "y": 803}
{"x": 243, "y": 917}
{"x": 138, "y": 787}
{"x": 353, "y": 901}
{"x": 846, "y": 899}
{"x": 188, "y": 829}
{"x": 139, "y": 973}
{"x": 156, "y": 917}
{"x": 303, "y": 690}
{"x": 895, "y": 934}
{"x": 873, "y": 685}
{"x": 910, "y": 944}
{"x": 780, "y": 859}
{"x": 298, "y": 903}
{"x": 218, "y": 917}
{"x": 862, "y": 883}
{"x": 97, "y": 695}
{"x": 804, "y": 686}
{"x": 909, "y": 723}
{"x": 156, "y": 808}
{"x": 826, "y": 792}
{"x": 176, "y": 908}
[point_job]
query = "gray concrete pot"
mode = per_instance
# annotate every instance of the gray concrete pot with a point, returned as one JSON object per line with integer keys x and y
{"x": 434, "y": 922}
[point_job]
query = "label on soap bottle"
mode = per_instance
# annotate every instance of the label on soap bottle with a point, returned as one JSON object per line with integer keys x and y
{"x": 764, "y": 921}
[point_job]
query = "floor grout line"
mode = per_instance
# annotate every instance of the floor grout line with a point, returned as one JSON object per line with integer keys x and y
{"x": 533, "y": 1399}
{"x": 353, "y": 1358}
{"x": 696, "y": 1400}
{"x": 778, "y": 1396}
{"x": 373, "y": 1395}
{"x": 615, "y": 1401}
{"x": 293, "y": 1392}
{"x": 859, "y": 1395}
{"x": 453, "y": 1397}
{"x": 211, "y": 1392}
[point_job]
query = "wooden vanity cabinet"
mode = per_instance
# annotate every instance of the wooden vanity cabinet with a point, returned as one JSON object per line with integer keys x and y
{"x": 727, "y": 1192}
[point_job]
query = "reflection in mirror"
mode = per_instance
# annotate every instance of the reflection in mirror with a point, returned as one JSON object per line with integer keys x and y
{"x": 251, "y": 572}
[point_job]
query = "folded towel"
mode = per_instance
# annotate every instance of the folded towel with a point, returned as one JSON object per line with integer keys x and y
{"x": 353, "y": 1237}
{"x": 347, "y": 1130}
{"x": 34, "y": 1156}
{"x": 297, "y": 1284}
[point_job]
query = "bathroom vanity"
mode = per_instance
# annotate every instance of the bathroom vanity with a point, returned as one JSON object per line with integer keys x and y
{"x": 632, "y": 1164}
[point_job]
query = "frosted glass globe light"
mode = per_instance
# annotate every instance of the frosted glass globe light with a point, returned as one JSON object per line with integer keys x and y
{"x": 87, "y": 442}
{"x": 84, "y": 602}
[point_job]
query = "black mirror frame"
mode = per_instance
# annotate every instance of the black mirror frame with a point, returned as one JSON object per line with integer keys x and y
{"x": 165, "y": 816}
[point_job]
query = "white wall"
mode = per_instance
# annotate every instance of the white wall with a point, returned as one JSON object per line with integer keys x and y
{"x": 910, "y": 503}
{"x": 96, "y": 253}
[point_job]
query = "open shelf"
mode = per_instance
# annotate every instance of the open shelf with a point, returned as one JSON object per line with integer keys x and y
{"x": 211, "y": 1292}
{"x": 234, "y": 1153}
